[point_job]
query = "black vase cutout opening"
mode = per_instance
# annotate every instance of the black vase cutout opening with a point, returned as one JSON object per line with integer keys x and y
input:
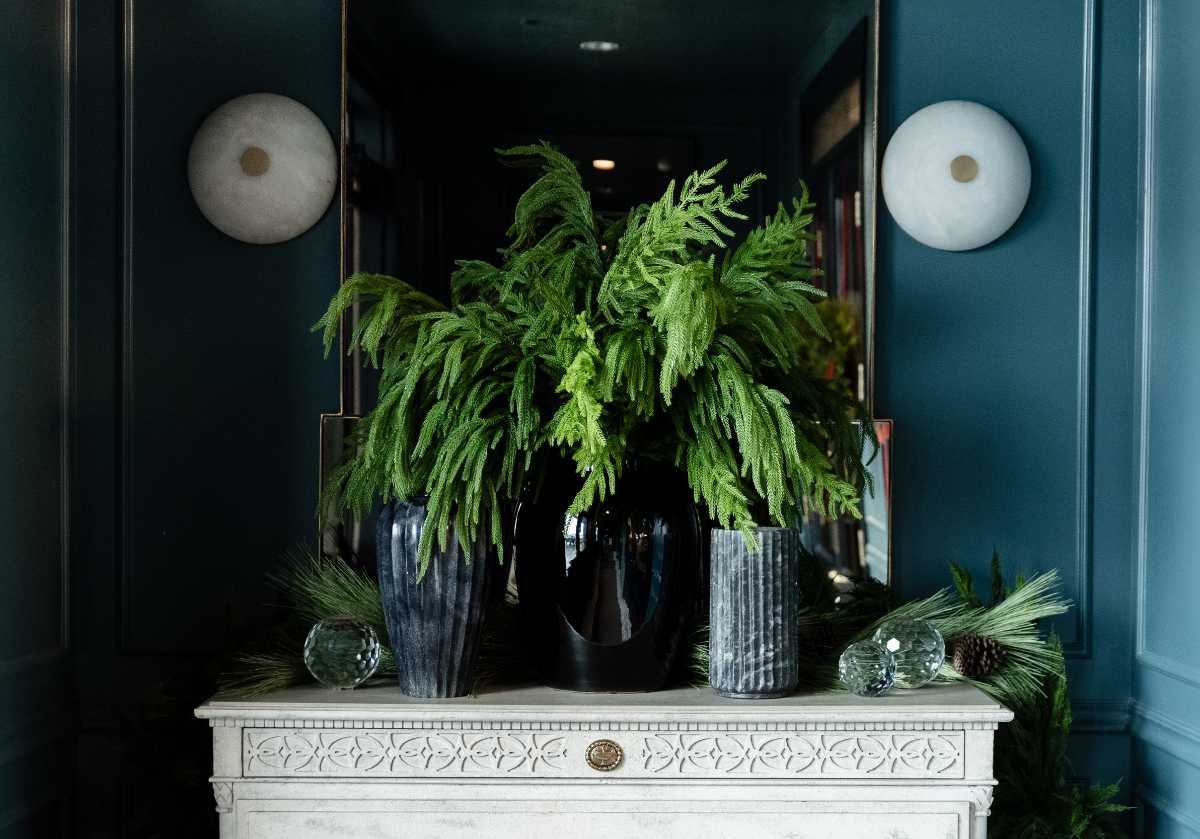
{"x": 606, "y": 597}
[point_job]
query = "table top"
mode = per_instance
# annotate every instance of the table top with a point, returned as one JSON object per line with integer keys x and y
{"x": 944, "y": 703}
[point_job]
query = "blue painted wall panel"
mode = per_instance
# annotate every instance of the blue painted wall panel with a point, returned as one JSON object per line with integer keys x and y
{"x": 978, "y": 352}
{"x": 34, "y": 232}
{"x": 198, "y": 346}
{"x": 224, "y": 382}
{"x": 1167, "y": 672}
{"x": 1010, "y": 369}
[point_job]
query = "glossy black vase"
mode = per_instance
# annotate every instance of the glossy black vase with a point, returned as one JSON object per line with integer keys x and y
{"x": 606, "y": 597}
{"x": 434, "y": 624}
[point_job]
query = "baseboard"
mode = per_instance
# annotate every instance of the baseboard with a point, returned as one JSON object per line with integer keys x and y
{"x": 1168, "y": 734}
{"x": 1163, "y": 807}
{"x": 1101, "y": 716}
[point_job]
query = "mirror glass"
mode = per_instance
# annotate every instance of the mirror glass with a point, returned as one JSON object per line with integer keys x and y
{"x": 638, "y": 92}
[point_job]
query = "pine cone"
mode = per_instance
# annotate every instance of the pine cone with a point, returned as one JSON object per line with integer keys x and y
{"x": 977, "y": 656}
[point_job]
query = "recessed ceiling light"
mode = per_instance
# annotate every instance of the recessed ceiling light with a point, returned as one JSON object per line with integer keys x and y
{"x": 599, "y": 46}
{"x": 604, "y": 165}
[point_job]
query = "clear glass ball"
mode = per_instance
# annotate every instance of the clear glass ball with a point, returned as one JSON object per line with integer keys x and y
{"x": 867, "y": 669}
{"x": 917, "y": 646}
{"x": 341, "y": 653}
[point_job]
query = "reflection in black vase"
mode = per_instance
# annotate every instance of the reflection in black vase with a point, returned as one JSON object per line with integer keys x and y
{"x": 606, "y": 595}
{"x": 614, "y": 572}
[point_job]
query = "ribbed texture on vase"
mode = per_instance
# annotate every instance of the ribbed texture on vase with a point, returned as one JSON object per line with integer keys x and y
{"x": 755, "y": 597}
{"x": 435, "y": 624}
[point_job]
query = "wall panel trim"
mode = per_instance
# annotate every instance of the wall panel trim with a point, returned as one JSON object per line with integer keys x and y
{"x": 38, "y": 658}
{"x": 1169, "y": 734}
{"x": 125, "y": 401}
{"x": 66, "y": 356}
{"x": 1101, "y": 716}
{"x": 1180, "y": 671}
{"x": 1081, "y": 645}
{"x": 1162, "y": 806}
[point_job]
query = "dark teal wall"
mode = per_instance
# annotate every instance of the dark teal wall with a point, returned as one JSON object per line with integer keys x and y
{"x": 1009, "y": 369}
{"x": 1167, "y": 670}
{"x": 199, "y": 389}
{"x": 34, "y": 266}
{"x": 216, "y": 331}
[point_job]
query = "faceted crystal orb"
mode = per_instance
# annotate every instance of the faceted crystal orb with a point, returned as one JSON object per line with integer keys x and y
{"x": 867, "y": 669}
{"x": 341, "y": 653}
{"x": 918, "y": 648}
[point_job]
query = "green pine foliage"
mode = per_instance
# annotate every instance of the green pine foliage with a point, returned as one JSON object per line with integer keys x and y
{"x": 1034, "y": 799}
{"x": 315, "y": 587}
{"x": 1013, "y": 622}
{"x": 595, "y": 339}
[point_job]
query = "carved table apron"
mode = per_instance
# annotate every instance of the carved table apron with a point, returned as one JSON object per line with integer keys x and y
{"x": 534, "y": 762}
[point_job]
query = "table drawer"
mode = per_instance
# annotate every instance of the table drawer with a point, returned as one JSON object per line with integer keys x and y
{"x": 641, "y": 754}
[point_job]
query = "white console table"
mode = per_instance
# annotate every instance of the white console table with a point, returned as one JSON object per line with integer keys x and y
{"x": 534, "y": 762}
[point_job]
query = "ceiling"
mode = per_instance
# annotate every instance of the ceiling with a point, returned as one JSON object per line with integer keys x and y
{"x": 664, "y": 44}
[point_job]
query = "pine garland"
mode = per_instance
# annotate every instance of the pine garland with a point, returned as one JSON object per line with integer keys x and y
{"x": 316, "y": 587}
{"x": 591, "y": 339}
{"x": 1012, "y": 622}
{"x": 313, "y": 588}
{"x": 1033, "y": 800}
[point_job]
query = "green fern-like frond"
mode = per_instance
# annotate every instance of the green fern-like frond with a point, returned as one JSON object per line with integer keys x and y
{"x": 591, "y": 338}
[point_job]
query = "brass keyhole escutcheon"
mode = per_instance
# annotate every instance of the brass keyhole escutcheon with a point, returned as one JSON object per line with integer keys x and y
{"x": 964, "y": 168}
{"x": 604, "y": 755}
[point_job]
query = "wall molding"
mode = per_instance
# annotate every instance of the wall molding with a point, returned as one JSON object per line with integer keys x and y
{"x": 66, "y": 356}
{"x": 125, "y": 400}
{"x": 1166, "y": 808}
{"x": 1143, "y": 655}
{"x": 1080, "y": 646}
{"x": 12, "y": 667}
{"x": 1167, "y": 666}
{"x": 1101, "y": 716}
{"x": 1167, "y": 733}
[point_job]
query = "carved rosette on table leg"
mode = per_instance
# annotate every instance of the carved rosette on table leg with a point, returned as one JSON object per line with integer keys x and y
{"x": 755, "y": 596}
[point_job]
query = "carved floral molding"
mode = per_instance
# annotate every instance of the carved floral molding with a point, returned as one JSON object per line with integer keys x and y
{"x": 827, "y": 755}
{"x": 364, "y": 752}
{"x": 401, "y": 753}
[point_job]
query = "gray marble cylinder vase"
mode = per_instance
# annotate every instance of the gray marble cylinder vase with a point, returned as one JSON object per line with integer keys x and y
{"x": 753, "y": 606}
{"x": 434, "y": 624}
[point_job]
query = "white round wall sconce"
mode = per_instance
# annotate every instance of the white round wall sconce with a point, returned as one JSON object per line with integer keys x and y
{"x": 955, "y": 175}
{"x": 262, "y": 168}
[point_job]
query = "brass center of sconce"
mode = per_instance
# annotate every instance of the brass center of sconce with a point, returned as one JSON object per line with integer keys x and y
{"x": 255, "y": 161}
{"x": 964, "y": 168}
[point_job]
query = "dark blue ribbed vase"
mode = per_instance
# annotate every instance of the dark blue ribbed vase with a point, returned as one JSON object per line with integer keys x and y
{"x": 753, "y": 608}
{"x": 434, "y": 624}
